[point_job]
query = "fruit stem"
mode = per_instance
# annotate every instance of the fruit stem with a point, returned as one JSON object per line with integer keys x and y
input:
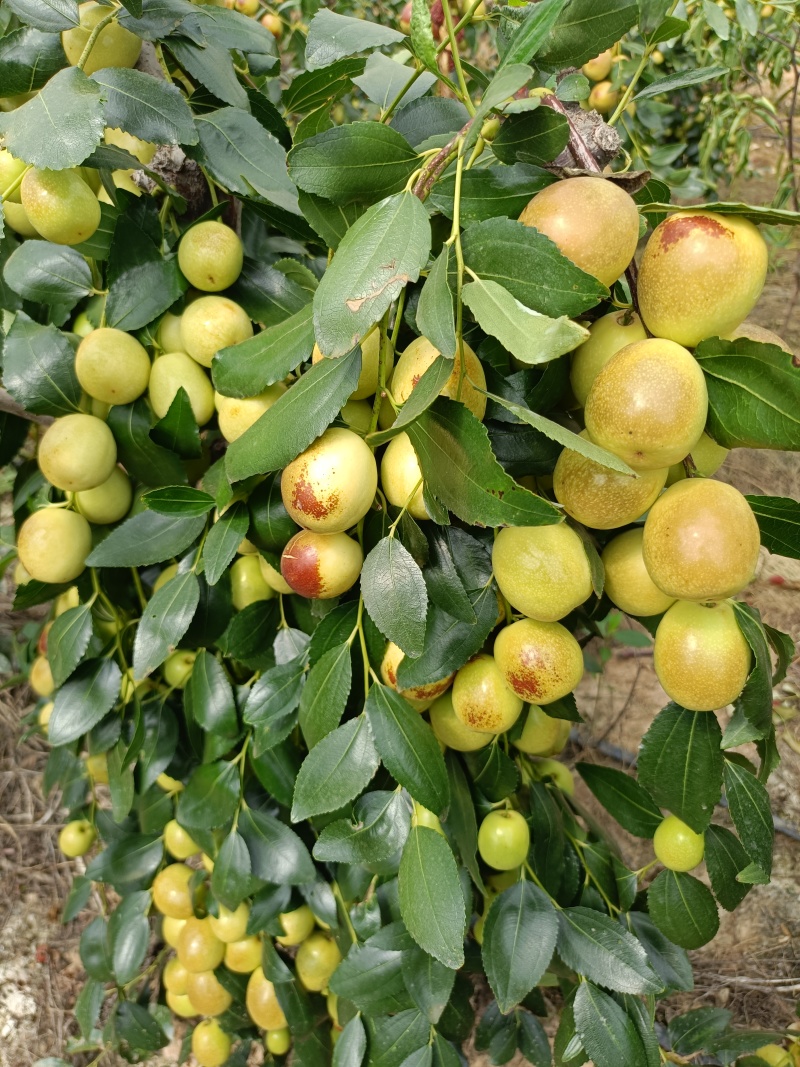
{"x": 455, "y": 239}
{"x": 350, "y": 929}
{"x": 137, "y": 582}
{"x": 163, "y": 63}
{"x": 628, "y": 93}
{"x": 382, "y": 357}
{"x": 448, "y": 17}
{"x": 15, "y": 184}
{"x": 101, "y": 25}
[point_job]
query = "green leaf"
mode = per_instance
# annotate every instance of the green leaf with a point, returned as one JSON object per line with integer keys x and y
{"x": 423, "y": 395}
{"x": 606, "y": 1031}
{"x": 384, "y": 79}
{"x": 128, "y": 863}
{"x": 231, "y": 880}
{"x": 504, "y": 85}
{"x": 518, "y": 942}
{"x": 212, "y": 65}
{"x": 141, "y": 282}
{"x": 86, "y": 1010}
{"x": 755, "y": 701}
{"x": 312, "y": 89}
{"x": 680, "y": 764}
{"x": 669, "y": 961}
{"x": 490, "y": 193}
{"x": 330, "y": 221}
{"x": 361, "y": 161}
{"x": 83, "y": 701}
{"x": 138, "y": 453}
{"x": 295, "y": 419}
{"x": 336, "y": 770}
{"x": 379, "y": 255}
{"x": 52, "y": 16}
{"x": 536, "y": 137}
{"x": 395, "y": 595}
{"x": 249, "y": 634}
{"x": 232, "y": 29}
{"x": 137, "y": 1028}
{"x": 530, "y": 267}
{"x": 779, "y": 521}
{"x": 429, "y": 117}
{"x": 129, "y": 932}
{"x": 392, "y": 1039}
{"x": 178, "y": 500}
{"x": 58, "y": 127}
{"x": 211, "y": 695}
{"x": 768, "y": 216}
{"x": 445, "y": 587}
{"x": 461, "y": 821}
{"x": 325, "y": 694}
{"x": 267, "y": 294}
{"x": 379, "y": 828}
{"x": 429, "y": 982}
{"x": 694, "y": 1030}
{"x": 461, "y": 472}
{"x": 431, "y": 901}
{"x": 39, "y": 368}
{"x": 352, "y": 1045}
{"x": 750, "y": 810}
{"x": 249, "y": 367}
{"x": 331, "y": 37}
{"x": 277, "y": 854}
{"x": 623, "y": 797}
{"x": 68, "y": 640}
{"x": 532, "y": 33}
{"x": 48, "y": 273}
{"x": 223, "y": 540}
{"x": 276, "y": 694}
{"x": 753, "y": 394}
{"x": 243, "y": 157}
{"x": 531, "y": 337}
{"x": 436, "y": 308}
{"x": 408, "y": 748}
{"x": 594, "y": 945}
{"x": 584, "y": 29}
{"x": 146, "y": 538}
{"x": 681, "y": 80}
{"x": 683, "y": 909}
{"x": 211, "y": 796}
{"x": 725, "y": 857}
{"x": 145, "y": 106}
{"x": 371, "y": 976}
{"x": 178, "y": 430}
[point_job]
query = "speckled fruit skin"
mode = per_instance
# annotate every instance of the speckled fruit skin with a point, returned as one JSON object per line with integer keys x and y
{"x": 542, "y": 571}
{"x": 606, "y": 337}
{"x": 481, "y": 698}
{"x": 648, "y": 405}
{"x": 542, "y": 735}
{"x": 112, "y": 366}
{"x": 212, "y": 323}
{"x": 707, "y": 457}
{"x": 701, "y": 541}
{"x": 700, "y": 275}
{"x": 419, "y": 696}
{"x": 77, "y": 452}
{"x": 370, "y": 355}
{"x": 206, "y": 993}
{"x": 751, "y": 331}
{"x": 115, "y": 47}
{"x": 539, "y": 661}
{"x": 237, "y": 415}
{"x": 701, "y": 657}
{"x": 17, "y": 218}
{"x": 592, "y": 222}
{"x": 262, "y": 1003}
{"x": 320, "y": 566}
{"x": 600, "y": 497}
{"x": 60, "y": 205}
{"x": 331, "y": 485}
{"x": 677, "y": 846}
{"x": 504, "y": 840}
{"x": 108, "y": 502}
{"x": 416, "y": 359}
{"x": 210, "y": 256}
{"x": 401, "y": 475}
{"x": 451, "y": 731}
{"x": 199, "y": 949}
{"x": 175, "y": 370}
{"x": 628, "y": 583}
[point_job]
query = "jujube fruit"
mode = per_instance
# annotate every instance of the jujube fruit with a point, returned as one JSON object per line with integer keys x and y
{"x": 178, "y": 842}
{"x": 76, "y": 838}
{"x": 53, "y": 545}
{"x": 114, "y": 47}
{"x": 112, "y": 366}
{"x": 542, "y": 735}
{"x": 108, "y": 502}
{"x": 230, "y": 926}
{"x": 701, "y": 657}
{"x": 97, "y": 768}
{"x": 357, "y": 414}
{"x": 677, "y": 846}
{"x": 143, "y": 150}
{"x": 77, "y": 452}
{"x": 370, "y": 365}
{"x": 242, "y": 957}
{"x": 451, "y": 731}
{"x": 317, "y": 958}
{"x": 175, "y": 977}
{"x": 401, "y": 476}
{"x": 206, "y": 992}
{"x": 481, "y": 698}
{"x": 539, "y": 661}
{"x": 603, "y": 97}
{"x": 212, "y": 323}
{"x": 211, "y": 1046}
{"x": 210, "y": 256}
{"x": 331, "y": 485}
{"x": 278, "y": 1042}
{"x": 297, "y": 925}
{"x": 321, "y": 565}
{"x": 628, "y": 584}
{"x": 168, "y": 334}
{"x": 262, "y": 1002}
{"x": 542, "y": 571}
{"x": 180, "y": 1005}
{"x": 171, "y": 931}
{"x": 10, "y": 170}
{"x": 176, "y": 370}
{"x": 648, "y": 405}
{"x": 504, "y": 840}
{"x": 773, "y": 1054}
{"x": 247, "y": 583}
{"x": 591, "y": 221}
{"x": 17, "y": 218}
{"x": 701, "y": 541}
{"x": 600, "y": 67}
{"x": 274, "y": 578}
{"x": 418, "y": 357}
{"x": 419, "y": 696}
{"x": 552, "y": 769}
{"x": 751, "y": 331}
{"x": 606, "y": 337}
{"x": 700, "y": 275}
{"x": 236, "y": 415}
{"x": 177, "y": 668}
{"x": 40, "y": 678}
{"x": 199, "y": 949}
{"x": 707, "y": 457}
{"x": 60, "y": 205}
{"x": 172, "y": 894}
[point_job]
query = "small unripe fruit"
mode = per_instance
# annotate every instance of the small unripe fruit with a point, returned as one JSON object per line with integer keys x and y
{"x": 112, "y": 366}
{"x": 16, "y": 217}
{"x": 606, "y": 337}
{"x": 230, "y": 926}
{"x": 178, "y": 842}
{"x": 278, "y": 1042}
{"x": 273, "y": 24}
{"x": 243, "y": 956}
{"x": 600, "y": 67}
{"x": 331, "y": 485}
{"x": 551, "y": 768}
{"x": 108, "y": 502}
{"x": 419, "y": 696}
{"x": 175, "y": 977}
{"x": 114, "y": 47}
{"x": 180, "y": 1005}
{"x": 43, "y": 718}
{"x": 707, "y": 457}
{"x": 481, "y": 698}
{"x": 701, "y": 541}
{"x": 370, "y": 359}
{"x": 210, "y": 256}
{"x": 418, "y": 357}
{"x": 60, "y": 205}
{"x": 40, "y": 678}
{"x": 211, "y": 1046}
{"x": 648, "y": 405}
{"x": 174, "y": 370}
{"x": 212, "y": 323}
{"x": 451, "y": 731}
{"x": 591, "y": 221}
{"x": 701, "y": 657}
{"x": 316, "y": 960}
{"x": 357, "y": 414}
{"x": 603, "y": 97}
{"x": 262, "y": 1003}
{"x": 542, "y": 735}
{"x": 700, "y": 275}
{"x": 76, "y": 838}
{"x": 64, "y": 601}
{"x": 82, "y": 325}
{"x": 237, "y": 415}
{"x": 401, "y": 476}
{"x": 206, "y": 993}
{"x": 677, "y": 846}
{"x": 77, "y": 452}
{"x": 297, "y": 925}
{"x": 177, "y": 668}
{"x": 543, "y": 571}
{"x": 172, "y": 895}
{"x": 321, "y": 565}
{"x": 53, "y": 545}
{"x": 774, "y": 1055}
{"x": 503, "y": 840}
{"x": 97, "y": 768}
{"x": 628, "y": 584}
{"x": 539, "y": 661}
{"x": 199, "y": 949}
{"x": 247, "y": 583}
{"x": 165, "y": 576}
{"x": 171, "y": 931}
{"x": 273, "y": 578}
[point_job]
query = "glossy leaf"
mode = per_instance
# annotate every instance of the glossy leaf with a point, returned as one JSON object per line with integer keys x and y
{"x": 595, "y": 946}
{"x": 606, "y": 1031}
{"x": 83, "y": 701}
{"x": 336, "y": 770}
{"x": 395, "y": 595}
{"x": 48, "y": 273}
{"x": 148, "y": 462}
{"x": 210, "y": 695}
{"x": 249, "y": 367}
{"x": 431, "y": 901}
{"x": 68, "y": 641}
{"x": 211, "y": 796}
{"x": 725, "y": 857}
{"x": 277, "y": 854}
{"x": 749, "y": 805}
{"x": 325, "y": 694}
{"x": 331, "y": 37}
{"x": 683, "y": 909}
{"x": 146, "y": 538}
{"x": 779, "y": 521}
{"x": 623, "y": 797}
{"x": 519, "y": 938}
{"x": 39, "y": 368}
